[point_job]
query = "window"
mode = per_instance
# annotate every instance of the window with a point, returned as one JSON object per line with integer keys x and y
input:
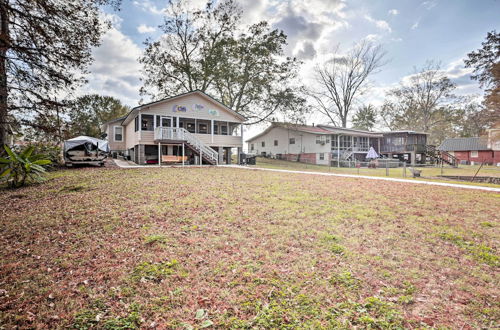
{"x": 363, "y": 143}
{"x": 345, "y": 142}
{"x": 275, "y": 143}
{"x": 320, "y": 139}
{"x": 118, "y": 133}
{"x": 190, "y": 127}
{"x": 474, "y": 154}
{"x": 203, "y": 128}
{"x": 147, "y": 122}
{"x": 263, "y": 144}
{"x": 322, "y": 156}
{"x": 291, "y": 141}
{"x": 136, "y": 122}
{"x": 334, "y": 141}
{"x": 252, "y": 147}
{"x": 223, "y": 130}
{"x": 216, "y": 129}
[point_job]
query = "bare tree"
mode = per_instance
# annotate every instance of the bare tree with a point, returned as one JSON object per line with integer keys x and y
{"x": 344, "y": 77}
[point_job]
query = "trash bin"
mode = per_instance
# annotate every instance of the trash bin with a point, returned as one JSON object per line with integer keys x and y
{"x": 250, "y": 160}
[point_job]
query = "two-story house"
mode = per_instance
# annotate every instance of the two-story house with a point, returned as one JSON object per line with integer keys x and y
{"x": 191, "y": 128}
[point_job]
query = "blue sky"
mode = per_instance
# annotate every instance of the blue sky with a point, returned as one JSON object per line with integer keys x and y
{"x": 411, "y": 32}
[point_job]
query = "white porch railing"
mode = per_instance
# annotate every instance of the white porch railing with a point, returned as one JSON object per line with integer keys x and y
{"x": 181, "y": 134}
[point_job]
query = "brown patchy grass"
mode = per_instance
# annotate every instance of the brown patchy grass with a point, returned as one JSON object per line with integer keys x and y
{"x": 428, "y": 173}
{"x": 230, "y": 248}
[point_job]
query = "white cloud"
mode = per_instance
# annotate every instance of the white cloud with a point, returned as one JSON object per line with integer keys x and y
{"x": 381, "y": 24}
{"x": 116, "y": 70}
{"x": 393, "y": 12}
{"x": 143, "y": 28}
{"x": 416, "y": 24}
{"x": 148, "y": 6}
{"x": 429, "y": 4}
{"x": 373, "y": 37}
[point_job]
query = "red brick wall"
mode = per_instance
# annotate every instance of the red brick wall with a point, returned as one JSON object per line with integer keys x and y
{"x": 309, "y": 158}
{"x": 486, "y": 156}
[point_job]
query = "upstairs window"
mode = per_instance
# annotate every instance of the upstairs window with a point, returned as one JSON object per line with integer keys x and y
{"x": 263, "y": 144}
{"x": 275, "y": 143}
{"x": 147, "y": 122}
{"x": 223, "y": 130}
{"x": 320, "y": 139}
{"x": 291, "y": 141}
{"x": 251, "y": 147}
{"x": 216, "y": 129}
{"x": 136, "y": 122}
{"x": 118, "y": 133}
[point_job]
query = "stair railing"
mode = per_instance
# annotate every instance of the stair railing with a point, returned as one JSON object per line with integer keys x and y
{"x": 181, "y": 134}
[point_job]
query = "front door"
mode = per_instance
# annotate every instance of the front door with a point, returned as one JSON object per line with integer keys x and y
{"x": 166, "y": 121}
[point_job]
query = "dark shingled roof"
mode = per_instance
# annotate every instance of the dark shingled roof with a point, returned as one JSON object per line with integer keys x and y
{"x": 464, "y": 144}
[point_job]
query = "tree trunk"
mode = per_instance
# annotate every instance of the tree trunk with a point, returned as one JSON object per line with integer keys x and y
{"x": 344, "y": 121}
{"x": 4, "y": 46}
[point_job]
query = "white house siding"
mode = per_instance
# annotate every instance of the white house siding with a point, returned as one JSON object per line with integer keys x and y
{"x": 114, "y": 145}
{"x": 131, "y": 136}
{"x": 305, "y": 143}
{"x": 206, "y": 113}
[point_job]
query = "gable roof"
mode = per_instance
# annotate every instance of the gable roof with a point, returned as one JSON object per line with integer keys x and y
{"x": 295, "y": 127}
{"x": 319, "y": 129}
{"x": 464, "y": 144}
{"x": 349, "y": 131}
{"x": 202, "y": 94}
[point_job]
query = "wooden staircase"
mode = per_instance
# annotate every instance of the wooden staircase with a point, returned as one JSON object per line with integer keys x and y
{"x": 440, "y": 156}
{"x": 180, "y": 134}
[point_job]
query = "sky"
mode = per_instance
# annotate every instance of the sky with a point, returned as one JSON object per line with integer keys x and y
{"x": 410, "y": 31}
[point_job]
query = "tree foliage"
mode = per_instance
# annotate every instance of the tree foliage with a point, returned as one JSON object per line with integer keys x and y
{"x": 486, "y": 64}
{"x": 209, "y": 50}
{"x": 365, "y": 117}
{"x": 45, "y": 45}
{"x": 422, "y": 102}
{"x": 87, "y": 113}
{"x": 345, "y": 77}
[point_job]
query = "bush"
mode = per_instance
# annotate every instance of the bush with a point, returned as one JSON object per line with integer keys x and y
{"x": 20, "y": 168}
{"x": 49, "y": 151}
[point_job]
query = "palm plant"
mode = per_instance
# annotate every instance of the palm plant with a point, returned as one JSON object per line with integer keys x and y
{"x": 19, "y": 168}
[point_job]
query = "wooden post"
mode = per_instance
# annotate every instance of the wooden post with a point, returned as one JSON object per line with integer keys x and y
{"x": 404, "y": 169}
{"x": 159, "y": 154}
{"x": 386, "y": 168}
{"x": 182, "y": 154}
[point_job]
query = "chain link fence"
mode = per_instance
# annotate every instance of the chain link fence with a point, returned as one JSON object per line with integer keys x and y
{"x": 389, "y": 168}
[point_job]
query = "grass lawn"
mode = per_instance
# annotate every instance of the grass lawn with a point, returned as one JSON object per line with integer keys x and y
{"x": 428, "y": 173}
{"x": 231, "y": 248}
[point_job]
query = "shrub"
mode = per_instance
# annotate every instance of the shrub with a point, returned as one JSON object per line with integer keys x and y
{"x": 23, "y": 167}
{"x": 50, "y": 151}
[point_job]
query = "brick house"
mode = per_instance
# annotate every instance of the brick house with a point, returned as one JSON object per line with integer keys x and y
{"x": 471, "y": 150}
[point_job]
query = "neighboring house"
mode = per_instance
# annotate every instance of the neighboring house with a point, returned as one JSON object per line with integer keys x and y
{"x": 322, "y": 144}
{"x": 409, "y": 146}
{"x": 471, "y": 150}
{"x": 186, "y": 127}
